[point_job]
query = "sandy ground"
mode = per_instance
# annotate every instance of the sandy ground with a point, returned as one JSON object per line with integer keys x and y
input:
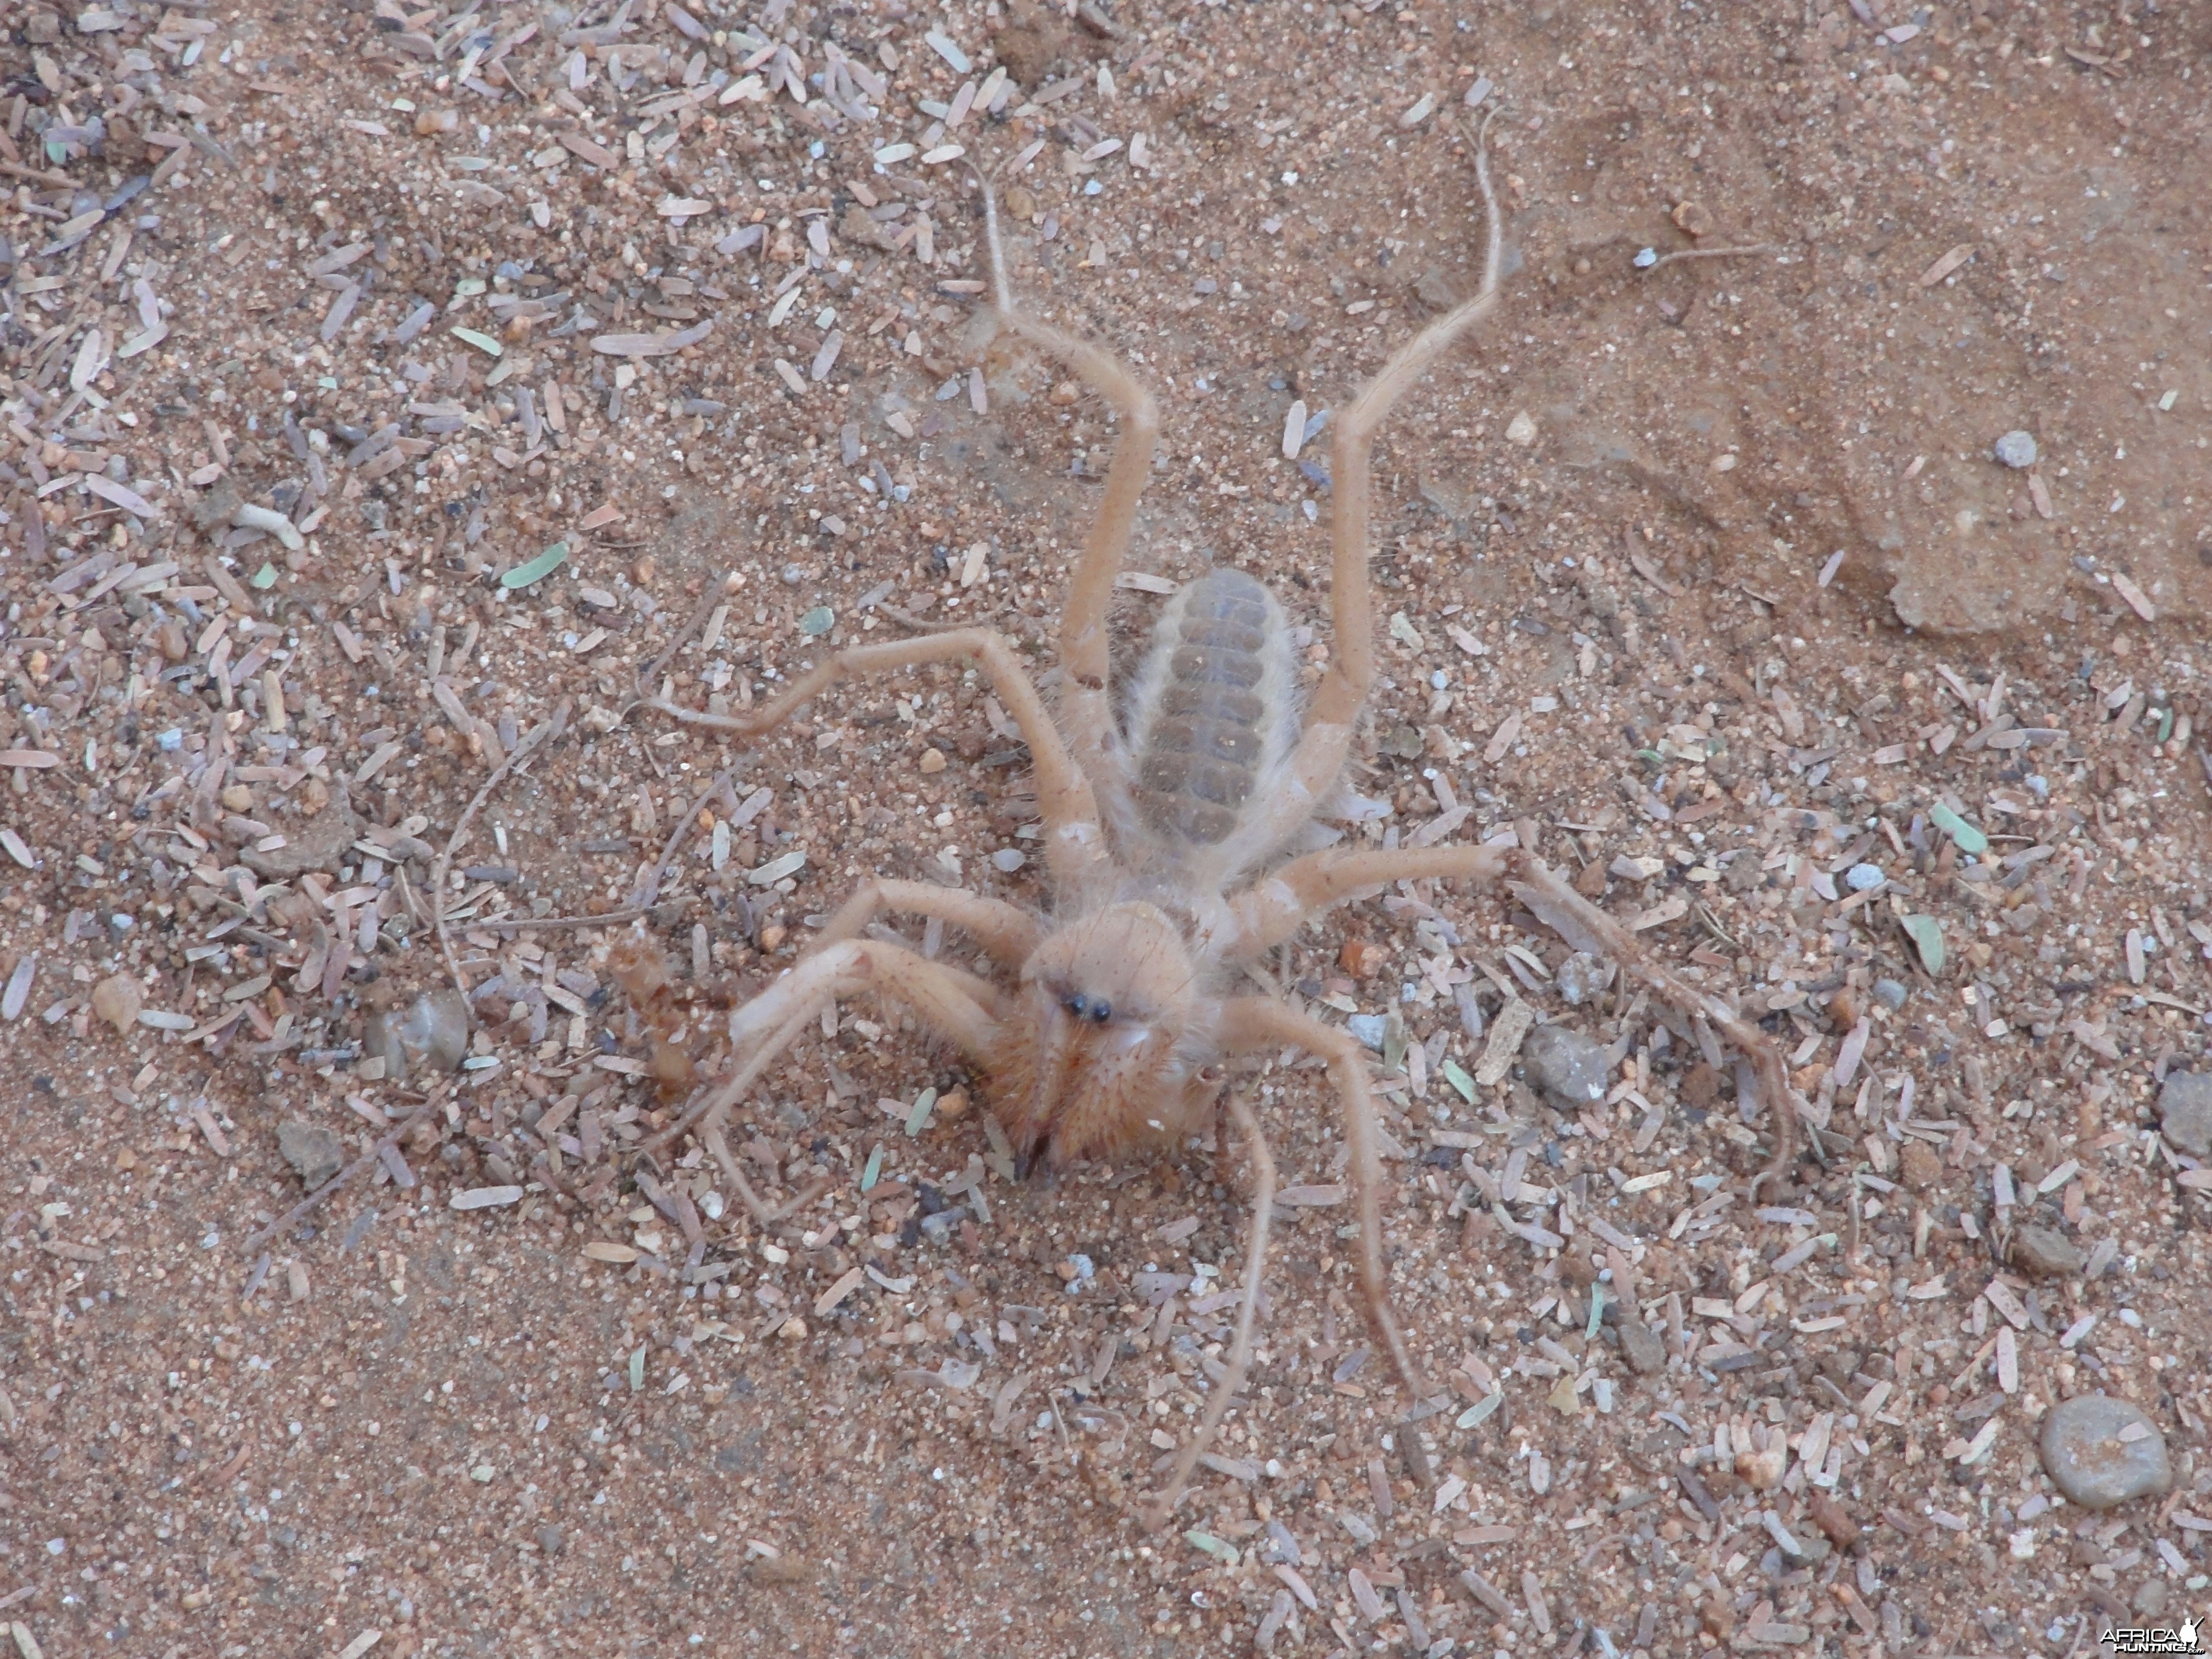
{"x": 325, "y": 324}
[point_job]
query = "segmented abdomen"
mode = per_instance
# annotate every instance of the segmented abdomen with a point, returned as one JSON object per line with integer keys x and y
{"x": 1210, "y": 707}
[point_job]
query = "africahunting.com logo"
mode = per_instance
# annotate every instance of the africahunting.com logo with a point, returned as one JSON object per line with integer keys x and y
{"x": 2188, "y": 1637}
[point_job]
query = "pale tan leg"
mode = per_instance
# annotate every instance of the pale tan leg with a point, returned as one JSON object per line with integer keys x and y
{"x": 1271, "y": 909}
{"x": 1274, "y": 907}
{"x": 957, "y": 1005}
{"x": 1321, "y": 748}
{"x": 1240, "y": 1350}
{"x": 1008, "y": 934}
{"x": 1086, "y": 707}
{"x": 1073, "y": 846}
{"x": 1253, "y": 1023}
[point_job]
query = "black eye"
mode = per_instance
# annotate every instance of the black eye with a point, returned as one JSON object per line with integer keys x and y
{"x": 1101, "y": 1011}
{"x": 1096, "y": 1010}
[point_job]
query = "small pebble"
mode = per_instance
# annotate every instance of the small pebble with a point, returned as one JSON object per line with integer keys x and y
{"x": 1368, "y": 1028}
{"x": 1860, "y": 876}
{"x": 433, "y": 1034}
{"x": 2016, "y": 450}
{"x": 1521, "y": 430}
{"x": 2046, "y": 1253}
{"x": 2184, "y": 1111}
{"x": 1566, "y": 1064}
{"x": 118, "y": 999}
{"x": 1008, "y": 858}
{"x": 1582, "y": 977}
{"x": 932, "y": 760}
{"x": 2084, "y": 1452}
{"x": 1891, "y": 993}
{"x": 1645, "y": 1353}
{"x": 315, "y": 1153}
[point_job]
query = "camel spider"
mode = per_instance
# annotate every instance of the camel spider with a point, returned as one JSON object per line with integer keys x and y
{"x": 1163, "y": 831}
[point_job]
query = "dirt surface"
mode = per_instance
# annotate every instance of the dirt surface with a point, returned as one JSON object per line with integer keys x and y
{"x": 1703, "y": 577}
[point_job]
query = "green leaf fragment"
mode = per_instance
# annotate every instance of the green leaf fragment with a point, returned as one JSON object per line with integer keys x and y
{"x": 481, "y": 341}
{"x": 1927, "y": 933}
{"x": 537, "y": 568}
{"x": 1219, "y": 1549}
{"x": 916, "y": 1119}
{"x": 1394, "y": 1043}
{"x": 1456, "y": 1074}
{"x": 875, "y": 1168}
{"x": 265, "y": 577}
{"x": 1597, "y": 1313}
{"x": 817, "y": 622}
{"x": 637, "y": 1369}
{"x": 1970, "y": 840}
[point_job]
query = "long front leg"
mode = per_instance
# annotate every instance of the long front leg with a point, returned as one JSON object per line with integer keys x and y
{"x": 1086, "y": 706}
{"x": 1319, "y": 760}
{"x": 1075, "y": 848}
{"x": 1007, "y": 933}
{"x": 1254, "y": 1022}
{"x": 959, "y": 1007}
{"x": 1271, "y": 909}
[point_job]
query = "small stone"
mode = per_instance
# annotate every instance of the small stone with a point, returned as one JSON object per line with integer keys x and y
{"x": 1566, "y": 1064}
{"x": 932, "y": 760}
{"x": 1008, "y": 860}
{"x": 238, "y": 798}
{"x": 315, "y": 1153}
{"x": 1361, "y": 957}
{"x": 1833, "y": 1519}
{"x": 2016, "y": 450}
{"x": 1521, "y": 430}
{"x": 1645, "y": 1353}
{"x": 1891, "y": 993}
{"x": 1693, "y": 218}
{"x": 432, "y": 1035}
{"x": 118, "y": 999}
{"x": 1922, "y": 1169}
{"x": 2151, "y": 1600}
{"x": 2045, "y": 1252}
{"x": 1583, "y": 976}
{"x": 1368, "y": 1028}
{"x": 2184, "y": 1111}
{"x": 551, "y": 1540}
{"x": 772, "y": 936}
{"x": 1860, "y": 876}
{"x": 2084, "y": 1452}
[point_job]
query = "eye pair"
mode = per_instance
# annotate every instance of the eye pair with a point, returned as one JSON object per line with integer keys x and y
{"x": 1096, "y": 1010}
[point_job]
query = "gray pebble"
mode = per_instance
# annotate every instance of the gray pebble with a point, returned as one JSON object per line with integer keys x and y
{"x": 1565, "y": 1065}
{"x": 314, "y": 1153}
{"x": 1891, "y": 993}
{"x": 2016, "y": 450}
{"x": 1860, "y": 876}
{"x": 2185, "y": 1111}
{"x": 549, "y": 1540}
{"x": 432, "y": 1035}
{"x": 1641, "y": 1347}
{"x": 1583, "y": 976}
{"x": 1368, "y": 1028}
{"x": 2082, "y": 1451}
{"x": 1008, "y": 858}
{"x": 2046, "y": 1253}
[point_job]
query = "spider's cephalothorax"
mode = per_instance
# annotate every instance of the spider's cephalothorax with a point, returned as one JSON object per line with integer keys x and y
{"x": 1167, "y": 830}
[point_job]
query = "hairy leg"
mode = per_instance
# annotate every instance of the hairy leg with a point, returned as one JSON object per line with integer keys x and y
{"x": 1271, "y": 910}
{"x": 1240, "y": 1350}
{"x": 957, "y": 1005}
{"x": 1073, "y": 846}
{"x": 1086, "y": 707}
{"x": 1343, "y": 691}
{"x": 1009, "y": 934}
{"x": 1253, "y": 1023}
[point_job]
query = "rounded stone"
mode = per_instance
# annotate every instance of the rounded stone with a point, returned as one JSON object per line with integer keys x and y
{"x": 1891, "y": 993}
{"x": 2045, "y": 1252}
{"x": 1582, "y": 977}
{"x": 1565, "y": 1065}
{"x": 432, "y": 1035}
{"x": 2184, "y": 1112}
{"x": 2016, "y": 450}
{"x": 2103, "y": 1451}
